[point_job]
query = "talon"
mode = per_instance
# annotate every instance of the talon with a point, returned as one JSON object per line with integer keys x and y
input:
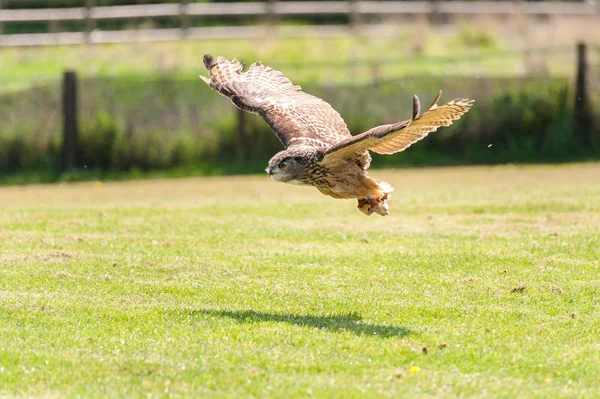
{"x": 366, "y": 210}
{"x": 379, "y": 205}
{"x": 382, "y": 209}
{"x": 364, "y": 207}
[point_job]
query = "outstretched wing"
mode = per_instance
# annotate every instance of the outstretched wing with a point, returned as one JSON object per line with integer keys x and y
{"x": 295, "y": 116}
{"x": 390, "y": 139}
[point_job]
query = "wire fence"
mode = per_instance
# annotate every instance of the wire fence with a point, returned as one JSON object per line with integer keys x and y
{"x": 164, "y": 122}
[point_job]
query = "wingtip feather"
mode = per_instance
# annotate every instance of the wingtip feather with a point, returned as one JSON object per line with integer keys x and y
{"x": 463, "y": 102}
{"x": 435, "y": 100}
{"x": 208, "y": 61}
{"x": 416, "y": 107}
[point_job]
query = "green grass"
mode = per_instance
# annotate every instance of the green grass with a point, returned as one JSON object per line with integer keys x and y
{"x": 482, "y": 283}
{"x": 465, "y": 51}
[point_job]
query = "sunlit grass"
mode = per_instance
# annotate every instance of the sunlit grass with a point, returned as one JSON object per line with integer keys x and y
{"x": 333, "y": 60}
{"x": 482, "y": 283}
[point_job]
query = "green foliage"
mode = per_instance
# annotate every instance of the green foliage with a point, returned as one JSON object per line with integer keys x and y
{"x": 531, "y": 123}
{"x": 469, "y": 36}
{"x": 18, "y": 153}
{"x": 320, "y": 61}
{"x": 107, "y": 146}
{"x": 255, "y": 143}
{"x": 99, "y": 141}
{"x": 164, "y": 123}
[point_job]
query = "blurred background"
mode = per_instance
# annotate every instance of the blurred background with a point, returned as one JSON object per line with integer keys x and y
{"x": 93, "y": 89}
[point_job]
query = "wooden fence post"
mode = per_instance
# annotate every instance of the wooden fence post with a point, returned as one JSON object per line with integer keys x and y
{"x": 69, "y": 104}
{"x": 185, "y": 18}
{"x": 355, "y": 17}
{"x": 356, "y": 22}
{"x": 435, "y": 17}
{"x": 1, "y": 26}
{"x": 271, "y": 17}
{"x": 90, "y": 23}
{"x": 53, "y": 26}
{"x": 582, "y": 117}
{"x": 375, "y": 74}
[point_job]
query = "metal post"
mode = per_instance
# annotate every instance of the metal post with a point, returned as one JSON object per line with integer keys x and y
{"x": 69, "y": 100}
{"x": 582, "y": 118}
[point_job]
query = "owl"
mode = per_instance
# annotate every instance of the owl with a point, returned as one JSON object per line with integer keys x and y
{"x": 319, "y": 149}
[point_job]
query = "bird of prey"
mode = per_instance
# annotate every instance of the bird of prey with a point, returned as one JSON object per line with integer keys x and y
{"x": 319, "y": 149}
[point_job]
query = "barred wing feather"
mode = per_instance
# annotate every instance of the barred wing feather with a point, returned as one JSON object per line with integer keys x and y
{"x": 295, "y": 116}
{"x": 390, "y": 139}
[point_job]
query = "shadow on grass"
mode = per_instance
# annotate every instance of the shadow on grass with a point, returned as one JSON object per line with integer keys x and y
{"x": 337, "y": 323}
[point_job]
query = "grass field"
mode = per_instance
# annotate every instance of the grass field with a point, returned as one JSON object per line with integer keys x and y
{"x": 484, "y": 282}
{"x": 466, "y": 51}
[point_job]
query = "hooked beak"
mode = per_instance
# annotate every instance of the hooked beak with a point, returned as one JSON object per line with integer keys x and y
{"x": 274, "y": 173}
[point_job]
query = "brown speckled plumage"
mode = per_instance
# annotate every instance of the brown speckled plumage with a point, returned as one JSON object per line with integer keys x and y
{"x": 319, "y": 149}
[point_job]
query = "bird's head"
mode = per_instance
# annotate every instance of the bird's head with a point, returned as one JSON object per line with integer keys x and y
{"x": 287, "y": 168}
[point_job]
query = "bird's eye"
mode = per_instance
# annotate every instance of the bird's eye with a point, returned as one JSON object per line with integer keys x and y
{"x": 282, "y": 165}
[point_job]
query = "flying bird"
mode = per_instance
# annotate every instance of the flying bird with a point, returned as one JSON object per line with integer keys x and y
{"x": 319, "y": 149}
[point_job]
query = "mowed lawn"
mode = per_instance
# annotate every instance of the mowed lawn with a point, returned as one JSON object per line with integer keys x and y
{"x": 483, "y": 282}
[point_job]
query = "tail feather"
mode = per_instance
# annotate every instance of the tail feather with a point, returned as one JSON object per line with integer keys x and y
{"x": 385, "y": 186}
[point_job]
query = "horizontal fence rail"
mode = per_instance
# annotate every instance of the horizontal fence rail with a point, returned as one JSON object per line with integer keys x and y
{"x": 296, "y": 8}
{"x": 171, "y": 34}
{"x": 90, "y": 13}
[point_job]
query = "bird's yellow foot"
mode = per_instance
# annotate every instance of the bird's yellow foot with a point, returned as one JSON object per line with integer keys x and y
{"x": 369, "y": 205}
{"x": 365, "y": 207}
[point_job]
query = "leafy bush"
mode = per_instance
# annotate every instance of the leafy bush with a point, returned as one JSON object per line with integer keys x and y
{"x": 18, "y": 153}
{"x": 141, "y": 126}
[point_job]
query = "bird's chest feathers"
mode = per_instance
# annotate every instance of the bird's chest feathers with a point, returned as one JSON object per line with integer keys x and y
{"x": 347, "y": 179}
